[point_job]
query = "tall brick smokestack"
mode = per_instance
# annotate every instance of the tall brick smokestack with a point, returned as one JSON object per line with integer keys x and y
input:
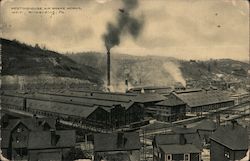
{"x": 108, "y": 68}
{"x": 125, "y": 23}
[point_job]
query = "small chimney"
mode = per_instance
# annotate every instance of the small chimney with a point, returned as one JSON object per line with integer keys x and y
{"x": 234, "y": 123}
{"x": 120, "y": 139}
{"x": 126, "y": 84}
{"x": 5, "y": 121}
{"x": 218, "y": 120}
{"x": 53, "y": 137}
{"x": 182, "y": 139}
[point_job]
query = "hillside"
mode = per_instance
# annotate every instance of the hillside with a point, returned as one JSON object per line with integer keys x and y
{"x": 156, "y": 70}
{"x": 20, "y": 59}
{"x": 23, "y": 63}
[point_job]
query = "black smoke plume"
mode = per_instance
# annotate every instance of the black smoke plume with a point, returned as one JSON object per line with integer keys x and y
{"x": 125, "y": 24}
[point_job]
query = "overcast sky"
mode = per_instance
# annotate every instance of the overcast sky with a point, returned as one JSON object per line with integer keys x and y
{"x": 189, "y": 29}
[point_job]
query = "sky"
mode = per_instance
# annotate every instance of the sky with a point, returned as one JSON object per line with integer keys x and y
{"x": 186, "y": 29}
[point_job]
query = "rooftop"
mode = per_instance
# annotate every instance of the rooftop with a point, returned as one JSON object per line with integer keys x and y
{"x": 200, "y": 98}
{"x": 85, "y": 101}
{"x": 148, "y": 97}
{"x": 206, "y": 124}
{"x": 156, "y": 125}
{"x": 233, "y": 136}
{"x": 32, "y": 123}
{"x": 42, "y": 140}
{"x": 174, "y": 138}
{"x": 63, "y": 108}
{"x": 184, "y": 130}
{"x": 109, "y": 142}
{"x": 171, "y": 100}
{"x": 111, "y": 96}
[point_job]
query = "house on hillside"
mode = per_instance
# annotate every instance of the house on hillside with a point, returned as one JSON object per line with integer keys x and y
{"x": 117, "y": 146}
{"x": 229, "y": 142}
{"x": 177, "y": 146}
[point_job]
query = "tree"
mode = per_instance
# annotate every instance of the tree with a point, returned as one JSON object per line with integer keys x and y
{"x": 37, "y": 46}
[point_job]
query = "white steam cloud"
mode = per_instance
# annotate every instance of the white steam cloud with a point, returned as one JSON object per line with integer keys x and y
{"x": 174, "y": 70}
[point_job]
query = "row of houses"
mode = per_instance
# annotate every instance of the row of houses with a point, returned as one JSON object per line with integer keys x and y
{"x": 38, "y": 139}
{"x": 227, "y": 142}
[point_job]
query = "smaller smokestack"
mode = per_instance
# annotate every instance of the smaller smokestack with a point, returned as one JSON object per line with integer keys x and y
{"x": 126, "y": 84}
{"x": 108, "y": 67}
{"x": 234, "y": 123}
{"x": 218, "y": 120}
{"x": 5, "y": 121}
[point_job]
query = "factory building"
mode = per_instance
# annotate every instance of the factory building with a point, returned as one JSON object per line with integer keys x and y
{"x": 171, "y": 109}
{"x": 114, "y": 110}
{"x": 117, "y": 146}
{"x": 229, "y": 142}
{"x": 111, "y": 111}
{"x": 201, "y": 100}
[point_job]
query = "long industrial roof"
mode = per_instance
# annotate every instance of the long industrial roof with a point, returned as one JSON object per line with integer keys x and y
{"x": 171, "y": 100}
{"x": 62, "y": 108}
{"x": 148, "y": 97}
{"x": 202, "y": 97}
